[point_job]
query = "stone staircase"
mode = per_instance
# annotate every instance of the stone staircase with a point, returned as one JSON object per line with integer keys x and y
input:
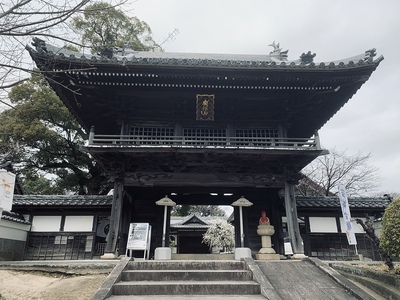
{"x": 309, "y": 279}
{"x": 186, "y": 278}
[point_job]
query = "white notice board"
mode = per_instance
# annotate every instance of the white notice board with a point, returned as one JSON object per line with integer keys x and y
{"x": 139, "y": 238}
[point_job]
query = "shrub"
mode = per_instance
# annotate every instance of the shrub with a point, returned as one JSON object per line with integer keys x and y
{"x": 390, "y": 237}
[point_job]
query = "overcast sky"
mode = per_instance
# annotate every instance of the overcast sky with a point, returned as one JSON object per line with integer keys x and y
{"x": 370, "y": 121}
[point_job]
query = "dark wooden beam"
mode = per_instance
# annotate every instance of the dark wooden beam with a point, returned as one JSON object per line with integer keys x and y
{"x": 149, "y": 179}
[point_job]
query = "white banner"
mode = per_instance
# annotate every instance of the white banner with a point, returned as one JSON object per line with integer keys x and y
{"x": 7, "y": 182}
{"x": 344, "y": 203}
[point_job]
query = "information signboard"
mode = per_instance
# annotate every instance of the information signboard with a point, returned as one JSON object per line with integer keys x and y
{"x": 139, "y": 238}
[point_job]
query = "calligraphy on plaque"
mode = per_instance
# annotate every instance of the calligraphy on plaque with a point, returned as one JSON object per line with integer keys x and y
{"x": 205, "y": 107}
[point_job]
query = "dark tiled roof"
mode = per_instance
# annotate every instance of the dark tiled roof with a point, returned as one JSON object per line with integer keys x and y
{"x": 14, "y": 217}
{"x": 198, "y": 226}
{"x": 62, "y": 200}
{"x": 333, "y": 202}
{"x": 263, "y": 61}
{"x": 192, "y": 221}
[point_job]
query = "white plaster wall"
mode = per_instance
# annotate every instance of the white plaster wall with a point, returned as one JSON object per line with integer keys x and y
{"x": 78, "y": 223}
{"x": 356, "y": 227}
{"x": 13, "y": 231}
{"x": 46, "y": 223}
{"x": 321, "y": 224}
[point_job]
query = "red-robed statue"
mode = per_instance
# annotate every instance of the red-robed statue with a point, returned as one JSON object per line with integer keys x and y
{"x": 264, "y": 220}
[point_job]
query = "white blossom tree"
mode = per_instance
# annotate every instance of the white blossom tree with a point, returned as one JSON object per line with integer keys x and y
{"x": 220, "y": 235}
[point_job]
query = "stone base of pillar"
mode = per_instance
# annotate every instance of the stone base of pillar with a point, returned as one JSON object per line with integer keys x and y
{"x": 265, "y": 256}
{"x": 163, "y": 253}
{"x": 242, "y": 253}
{"x": 299, "y": 256}
{"x": 266, "y": 251}
{"x": 108, "y": 256}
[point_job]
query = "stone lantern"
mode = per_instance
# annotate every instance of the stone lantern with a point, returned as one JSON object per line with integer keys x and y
{"x": 266, "y": 230}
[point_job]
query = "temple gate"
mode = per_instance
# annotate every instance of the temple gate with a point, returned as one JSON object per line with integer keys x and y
{"x": 190, "y": 125}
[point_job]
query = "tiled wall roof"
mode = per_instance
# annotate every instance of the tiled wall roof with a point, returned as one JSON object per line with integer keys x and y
{"x": 333, "y": 202}
{"x": 62, "y": 200}
{"x": 14, "y": 217}
{"x": 106, "y": 200}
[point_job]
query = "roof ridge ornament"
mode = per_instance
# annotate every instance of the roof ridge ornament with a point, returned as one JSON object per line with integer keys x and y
{"x": 105, "y": 51}
{"x": 278, "y": 53}
{"x": 39, "y": 44}
{"x": 124, "y": 50}
{"x": 371, "y": 53}
{"x": 307, "y": 58}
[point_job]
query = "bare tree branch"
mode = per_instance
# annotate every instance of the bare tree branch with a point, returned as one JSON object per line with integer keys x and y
{"x": 21, "y": 20}
{"x": 8, "y": 104}
{"x": 327, "y": 172}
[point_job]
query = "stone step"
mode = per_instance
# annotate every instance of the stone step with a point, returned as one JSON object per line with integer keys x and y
{"x": 187, "y": 297}
{"x": 202, "y": 275}
{"x": 186, "y": 279}
{"x": 186, "y": 288}
{"x": 223, "y": 256}
{"x": 187, "y": 265}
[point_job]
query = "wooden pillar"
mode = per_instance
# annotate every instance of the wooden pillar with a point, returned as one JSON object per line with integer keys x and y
{"x": 307, "y": 244}
{"x": 276, "y": 220}
{"x": 292, "y": 220}
{"x": 115, "y": 220}
{"x": 126, "y": 218}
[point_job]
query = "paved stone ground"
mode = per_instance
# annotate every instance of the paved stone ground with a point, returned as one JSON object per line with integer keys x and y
{"x": 300, "y": 280}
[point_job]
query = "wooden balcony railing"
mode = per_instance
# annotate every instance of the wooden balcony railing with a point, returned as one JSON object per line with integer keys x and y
{"x": 204, "y": 142}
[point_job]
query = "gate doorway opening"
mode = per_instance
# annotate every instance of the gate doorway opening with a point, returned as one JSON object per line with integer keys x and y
{"x": 144, "y": 210}
{"x": 192, "y": 245}
{"x": 186, "y": 232}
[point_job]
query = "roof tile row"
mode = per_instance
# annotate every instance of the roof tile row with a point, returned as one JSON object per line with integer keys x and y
{"x": 106, "y": 200}
{"x": 203, "y": 59}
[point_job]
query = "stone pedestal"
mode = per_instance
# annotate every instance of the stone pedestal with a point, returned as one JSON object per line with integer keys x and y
{"x": 109, "y": 256}
{"x": 268, "y": 256}
{"x": 162, "y": 253}
{"x": 242, "y": 253}
{"x": 266, "y": 252}
{"x": 299, "y": 256}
